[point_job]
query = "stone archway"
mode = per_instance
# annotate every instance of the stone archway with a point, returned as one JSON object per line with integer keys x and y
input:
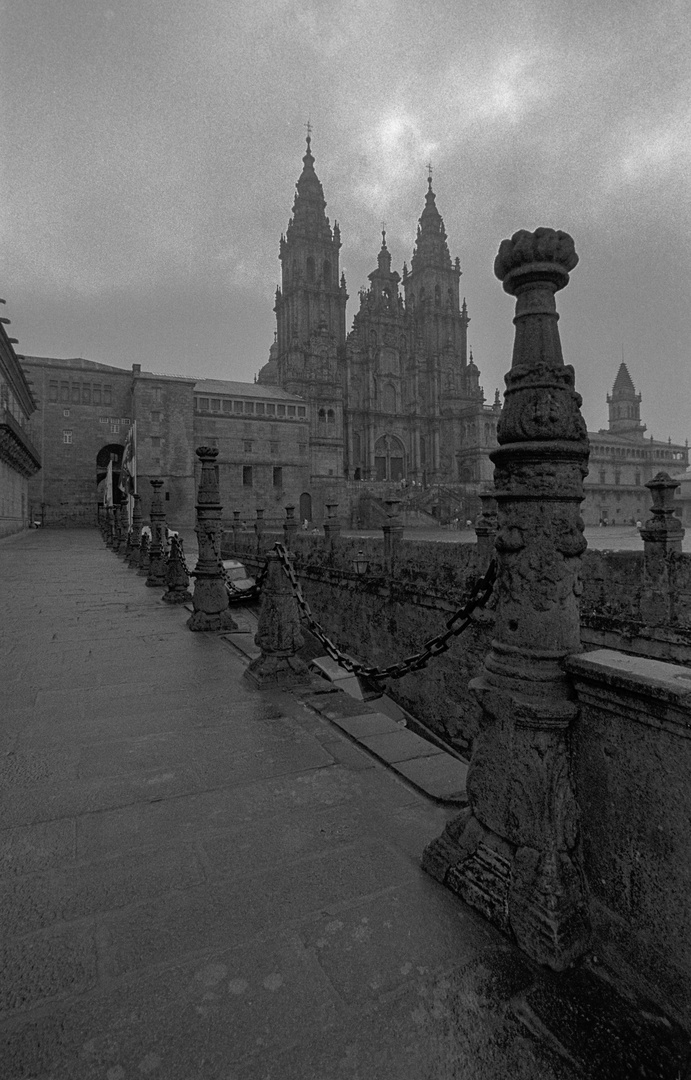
{"x": 111, "y": 452}
{"x": 305, "y": 507}
{"x": 389, "y": 458}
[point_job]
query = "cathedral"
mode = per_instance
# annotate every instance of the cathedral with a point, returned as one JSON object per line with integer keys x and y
{"x": 396, "y": 400}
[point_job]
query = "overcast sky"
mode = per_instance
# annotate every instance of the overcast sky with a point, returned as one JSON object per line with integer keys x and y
{"x": 150, "y": 150}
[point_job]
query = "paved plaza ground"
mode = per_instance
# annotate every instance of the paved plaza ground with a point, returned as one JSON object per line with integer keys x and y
{"x": 201, "y": 880}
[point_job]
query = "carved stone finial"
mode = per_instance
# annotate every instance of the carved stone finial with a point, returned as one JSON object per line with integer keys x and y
{"x": 157, "y": 549}
{"x": 278, "y": 633}
{"x": 210, "y": 599}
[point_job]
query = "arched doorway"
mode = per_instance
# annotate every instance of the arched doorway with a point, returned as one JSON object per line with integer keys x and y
{"x": 112, "y": 452}
{"x": 305, "y": 507}
{"x": 389, "y": 458}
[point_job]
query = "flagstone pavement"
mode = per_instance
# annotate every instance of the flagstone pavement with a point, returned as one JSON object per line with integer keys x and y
{"x": 200, "y": 880}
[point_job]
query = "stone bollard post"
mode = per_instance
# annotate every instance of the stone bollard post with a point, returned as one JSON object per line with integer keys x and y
{"x": 662, "y": 536}
{"x": 513, "y": 854}
{"x": 126, "y": 548}
{"x": 117, "y": 529}
{"x": 259, "y": 531}
{"x": 332, "y": 525}
{"x": 486, "y": 528}
{"x": 157, "y": 548}
{"x": 393, "y": 533}
{"x": 143, "y": 563}
{"x": 210, "y": 599}
{"x": 110, "y": 527}
{"x": 290, "y": 527}
{"x": 177, "y": 577}
{"x": 133, "y": 560}
{"x": 278, "y": 633}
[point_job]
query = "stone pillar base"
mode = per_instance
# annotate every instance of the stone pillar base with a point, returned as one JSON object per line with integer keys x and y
{"x": 277, "y": 671}
{"x": 212, "y": 620}
{"x": 536, "y": 897}
{"x": 177, "y": 596}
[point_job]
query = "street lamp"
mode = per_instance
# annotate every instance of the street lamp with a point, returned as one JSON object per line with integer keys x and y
{"x": 361, "y": 563}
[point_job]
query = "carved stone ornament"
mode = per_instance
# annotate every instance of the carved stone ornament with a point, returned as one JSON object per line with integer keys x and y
{"x": 278, "y": 633}
{"x": 177, "y": 577}
{"x": 210, "y": 600}
{"x": 514, "y": 853}
{"x": 157, "y": 548}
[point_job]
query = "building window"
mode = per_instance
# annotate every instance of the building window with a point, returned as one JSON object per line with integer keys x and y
{"x": 215, "y": 404}
{"x": 638, "y": 479}
{"x": 617, "y": 476}
{"x": 603, "y": 476}
{"x": 271, "y": 410}
{"x": 302, "y": 411}
{"x": 249, "y": 406}
{"x": 65, "y": 412}
{"x": 156, "y": 440}
{"x": 64, "y": 392}
{"x": 237, "y": 406}
{"x": 52, "y": 391}
{"x": 281, "y": 410}
{"x": 247, "y": 476}
{"x": 203, "y": 404}
{"x": 302, "y": 448}
{"x": 103, "y": 419}
{"x": 86, "y": 394}
{"x": 330, "y": 417}
{"x": 227, "y": 405}
{"x": 291, "y": 410}
{"x": 259, "y": 408}
{"x": 278, "y": 476}
{"x": 96, "y": 395}
{"x": 155, "y": 417}
{"x": 247, "y": 446}
{"x": 273, "y": 447}
{"x": 107, "y": 395}
{"x": 76, "y": 394}
{"x": 156, "y": 395}
{"x": 67, "y": 435}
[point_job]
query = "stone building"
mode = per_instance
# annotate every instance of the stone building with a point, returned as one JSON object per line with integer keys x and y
{"x": 397, "y": 400}
{"x": 19, "y": 458}
{"x": 622, "y": 460}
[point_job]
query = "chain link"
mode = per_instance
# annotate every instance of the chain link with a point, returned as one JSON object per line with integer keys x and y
{"x": 455, "y": 625}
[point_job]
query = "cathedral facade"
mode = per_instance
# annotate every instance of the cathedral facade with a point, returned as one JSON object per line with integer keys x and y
{"x": 395, "y": 402}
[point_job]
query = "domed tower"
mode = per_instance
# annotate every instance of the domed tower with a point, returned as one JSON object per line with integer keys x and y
{"x": 625, "y": 406}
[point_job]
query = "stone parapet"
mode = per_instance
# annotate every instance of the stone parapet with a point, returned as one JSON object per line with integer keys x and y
{"x": 631, "y": 751}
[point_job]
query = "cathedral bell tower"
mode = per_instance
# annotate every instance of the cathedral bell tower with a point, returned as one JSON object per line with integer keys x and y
{"x": 311, "y": 296}
{"x": 625, "y": 406}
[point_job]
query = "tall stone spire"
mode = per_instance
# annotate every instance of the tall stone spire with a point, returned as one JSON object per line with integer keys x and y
{"x": 309, "y": 208}
{"x": 431, "y": 248}
{"x": 625, "y": 406}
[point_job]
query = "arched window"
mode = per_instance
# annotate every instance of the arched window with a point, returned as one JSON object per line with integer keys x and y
{"x": 310, "y": 268}
{"x": 330, "y": 417}
{"x": 356, "y": 448}
{"x": 112, "y": 452}
{"x": 437, "y": 296}
{"x": 321, "y": 416}
{"x": 327, "y": 272}
{"x": 389, "y": 398}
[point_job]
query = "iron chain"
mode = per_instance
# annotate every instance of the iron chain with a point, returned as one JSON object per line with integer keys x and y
{"x": 455, "y": 625}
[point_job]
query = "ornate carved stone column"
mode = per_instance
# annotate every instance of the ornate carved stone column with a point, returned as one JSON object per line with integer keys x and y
{"x": 278, "y": 633}
{"x": 177, "y": 577}
{"x": 143, "y": 564}
{"x": 157, "y": 547}
{"x": 210, "y": 598}
{"x": 332, "y": 525}
{"x": 393, "y": 532}
{"x": 486, "y": 528}
{"x": 133, "y": 559}
{"x": 290, "y": 527}
{"x": 513, "y": 854}
{"x": 662, "y": 536}
{"x": 259, "y": 531}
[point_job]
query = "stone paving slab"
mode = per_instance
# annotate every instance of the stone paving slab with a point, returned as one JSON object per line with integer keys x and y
{"x": 365, "y": 725}
{"x": 396, "y": 746}
{"x": 442, "y": 776}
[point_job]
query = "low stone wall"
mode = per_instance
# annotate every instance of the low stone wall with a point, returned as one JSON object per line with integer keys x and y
{"x": 379, "y": 618}
{"x": 631, "y": 752}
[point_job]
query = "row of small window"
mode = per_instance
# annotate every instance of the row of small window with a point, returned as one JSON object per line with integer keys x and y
{"x": 255, "y": 408}
{"x": 80, "y": 393}
{"x": 248, "y": 476}
{"x": 617, "y": 477}
{"x": 648, "y": 455}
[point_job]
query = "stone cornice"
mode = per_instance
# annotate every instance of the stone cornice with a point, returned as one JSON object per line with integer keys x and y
{"x": 16, "y": 449}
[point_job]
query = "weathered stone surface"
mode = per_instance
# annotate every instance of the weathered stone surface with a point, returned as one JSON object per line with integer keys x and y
{"x": 210, "y": 599}
{"x": 278, "y": 633}
{"x": 143, "y": 563}
{"x": 515, "y": 856}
